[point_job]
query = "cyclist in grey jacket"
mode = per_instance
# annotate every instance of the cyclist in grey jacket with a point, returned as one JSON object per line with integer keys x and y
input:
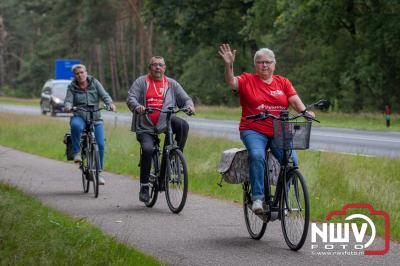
{"x": 155, "y": 90}
{"x": 86, "y": 91}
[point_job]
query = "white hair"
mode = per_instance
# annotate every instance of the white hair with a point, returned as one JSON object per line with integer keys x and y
{"x": 264, "y": 51}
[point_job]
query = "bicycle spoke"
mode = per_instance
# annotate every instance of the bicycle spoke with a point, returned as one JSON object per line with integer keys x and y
{"x": 153, "y": 180}
{"x": 254, "y": 224}
{"x": 295, "y": 214}
{"x": 84, "y": 168}
{"x": 176, "y": 181}
{"x": 94, "y": 169}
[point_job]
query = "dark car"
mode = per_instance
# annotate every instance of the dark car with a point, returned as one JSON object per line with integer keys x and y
{"x": 53, "y": 95}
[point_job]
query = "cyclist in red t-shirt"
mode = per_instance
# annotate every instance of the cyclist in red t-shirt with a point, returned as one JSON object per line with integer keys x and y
{"x": 155, "y": 90}
{"x": 262, "y": 91}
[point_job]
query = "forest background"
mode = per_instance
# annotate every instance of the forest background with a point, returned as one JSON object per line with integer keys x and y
{"x": 346, "y": 51}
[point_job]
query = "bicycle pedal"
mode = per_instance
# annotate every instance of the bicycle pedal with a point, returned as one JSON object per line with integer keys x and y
{"x": 263, "y": 216}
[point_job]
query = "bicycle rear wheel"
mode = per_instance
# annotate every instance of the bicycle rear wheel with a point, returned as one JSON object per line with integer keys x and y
{"x": 153, "y": 180}
{"x": 295, "y": 211}
{"x": 94, "y": 169}
{"x": 255, "y": 225}
{"x": 85, "y": 171}
{"x": 176, "y": 181}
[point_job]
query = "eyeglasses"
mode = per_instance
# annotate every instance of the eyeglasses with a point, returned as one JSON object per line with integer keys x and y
{"x": 157, "y": 64}
{"x": 268, "y": 63}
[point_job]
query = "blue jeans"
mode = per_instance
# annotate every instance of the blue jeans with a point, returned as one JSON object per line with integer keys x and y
{"x": 256, "y": 143}
{"x": 78, "y": 124}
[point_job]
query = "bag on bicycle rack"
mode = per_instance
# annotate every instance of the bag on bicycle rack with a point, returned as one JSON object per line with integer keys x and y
{"x": 274, "y": 168}
{"x": 68, "y": 147}
{"x": 234, "y": 166}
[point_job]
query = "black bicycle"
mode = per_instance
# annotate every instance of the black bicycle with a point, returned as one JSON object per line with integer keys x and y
{"x": 169, "y": 171}
{"x": 288, "y": 199}
{"x": 90, "y": 164}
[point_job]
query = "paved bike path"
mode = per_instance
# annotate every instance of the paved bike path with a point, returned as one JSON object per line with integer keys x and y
{"x": 207, "y": 232}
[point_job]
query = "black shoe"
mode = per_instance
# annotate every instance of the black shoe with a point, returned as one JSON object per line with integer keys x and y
{"x": 144, "y": 194}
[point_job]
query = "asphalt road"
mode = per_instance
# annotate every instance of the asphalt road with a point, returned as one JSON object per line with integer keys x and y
{"x": 370, "y": 143}
{"x": 353, "y": 141}
{"x": 207, "y": 232}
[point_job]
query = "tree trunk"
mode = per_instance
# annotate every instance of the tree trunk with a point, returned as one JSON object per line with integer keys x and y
{"x": 122, "y": 53}
{"x": 99, "y": 62}
{"x": 150, "y": 40}
{"x": 143, "y": 33}
{"x": 142, "y": 50}
{"x": 134, "y": 59}
{"x": 113, "y": 66}
{"x": 3, "y": 35}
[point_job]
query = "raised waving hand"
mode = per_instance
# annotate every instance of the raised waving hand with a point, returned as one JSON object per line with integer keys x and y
{"x": 226, "y": 53}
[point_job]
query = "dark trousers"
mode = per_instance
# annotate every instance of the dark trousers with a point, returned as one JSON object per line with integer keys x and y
{"x": 180, "y": 128}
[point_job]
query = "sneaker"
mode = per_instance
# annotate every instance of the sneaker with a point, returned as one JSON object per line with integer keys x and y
{"x": 257, "y": 207}
{"x": 101, "y": 180}
{"x": 144, "y": 193}
{"x": 77, "y": 158}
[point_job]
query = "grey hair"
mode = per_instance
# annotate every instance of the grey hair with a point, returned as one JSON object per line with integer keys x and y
{"x": 155, "y": 57}
{"x": 264, "y": 51}
{"x": 77, "y": 66}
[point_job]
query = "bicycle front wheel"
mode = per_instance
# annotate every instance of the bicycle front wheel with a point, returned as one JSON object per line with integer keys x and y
{"x": 85, "y": 172}
{"x": 255, "y": 225}
{"x": 153, "y": 180}
{"x": 176, "y": 181}
{"x": 295, "y": 210}
{"x": 94, "y": 169}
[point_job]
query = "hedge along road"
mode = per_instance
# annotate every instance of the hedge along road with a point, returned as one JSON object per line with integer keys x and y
{"x": 206, "y": 232}
{"x": 370, "y": 143}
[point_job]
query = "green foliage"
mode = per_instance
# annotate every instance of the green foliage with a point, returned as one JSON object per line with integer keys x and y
{"x": 210, "y": 91}
{"x": 29, "y": 87}
{"x": 345, "y": 51}
{"x": 344, "y": 44}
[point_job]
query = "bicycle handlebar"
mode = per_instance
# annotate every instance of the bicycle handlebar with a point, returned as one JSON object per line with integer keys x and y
{"x": 172, "y": 110}
{"x": 77, "y": 108}
{"x": 266, "y": 114}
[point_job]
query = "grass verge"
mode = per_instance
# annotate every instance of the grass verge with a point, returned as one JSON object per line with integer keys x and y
{"x": 56, "y": 238}
{"x": 333, "y": 179}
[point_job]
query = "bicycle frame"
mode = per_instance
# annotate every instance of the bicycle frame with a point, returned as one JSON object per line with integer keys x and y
{"x": 273, "y": 203}
{"x": 272, "y": 200}
{"x": 168, "y": 146}
{"x": 164, "y": 170}
{"x": 90, "y": 136}
{"x": 290, "y": 202}
{"x": 89, "y": 133}
{"x": 90, "y": 164}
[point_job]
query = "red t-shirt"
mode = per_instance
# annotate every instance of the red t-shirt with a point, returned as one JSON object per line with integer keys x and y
{"x": 155, "y": 96}
{"x": 257, "y": 96}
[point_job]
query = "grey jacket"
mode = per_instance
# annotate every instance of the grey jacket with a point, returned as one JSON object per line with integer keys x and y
{"x": 91, "y": 96}
{"x": 175, "y": 95}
